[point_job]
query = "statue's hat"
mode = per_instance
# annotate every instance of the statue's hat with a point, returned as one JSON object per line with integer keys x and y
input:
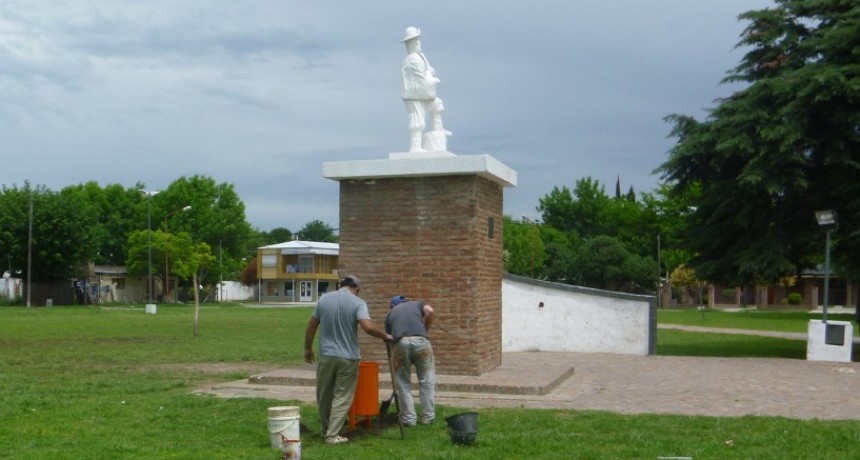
{"x": 411, "y": 33}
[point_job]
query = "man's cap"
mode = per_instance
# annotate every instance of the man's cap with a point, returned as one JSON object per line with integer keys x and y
{"x": 411, "y": 32}
{"x": 396, "y": 300}
{"x": 350, "y": 280}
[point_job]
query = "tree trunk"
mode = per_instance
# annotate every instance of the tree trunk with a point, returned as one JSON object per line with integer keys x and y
{"x": 196, "y": 303}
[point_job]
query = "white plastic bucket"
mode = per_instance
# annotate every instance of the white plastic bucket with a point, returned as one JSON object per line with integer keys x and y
{"x": 284, "y": 430}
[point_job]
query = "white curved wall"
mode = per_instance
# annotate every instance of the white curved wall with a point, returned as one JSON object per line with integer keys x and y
{"x": 575, "y": 319}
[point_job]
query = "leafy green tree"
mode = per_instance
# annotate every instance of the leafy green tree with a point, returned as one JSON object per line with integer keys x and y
{"x": 670, "y": 211}
{"x": 587, "y": 213}
{"x": 562, "y": 252}
{"x": 191, "y": 262}
{"x": 115, "y": 218}
{"x": 772, "y": 153}
{"x": 592, "y": 208}
{"x": 524, "y": 248}
{"x": 633, "y": 224}
{"x": 276, "y": 235}
{"x": 557, "y": 209}
{"x": 216, "y": 217}
{"x": 317, "y": 230}
{"x": 63, "y": 236}
{"x": 188, "y": 258}
{"x": 605, "y": 263}
{"x": 184, "y": 259}
{"x": 139, "y": 246}
{"x": 14, "y": 219}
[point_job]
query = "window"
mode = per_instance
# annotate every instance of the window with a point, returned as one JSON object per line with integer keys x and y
{"x": 270, "y": 261}
{"x": 306, "y": 264}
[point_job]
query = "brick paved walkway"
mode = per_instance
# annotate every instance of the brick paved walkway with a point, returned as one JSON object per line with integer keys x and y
{"x": 620, "y": 383}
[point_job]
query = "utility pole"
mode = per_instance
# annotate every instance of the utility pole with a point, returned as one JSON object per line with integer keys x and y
{"x": 221, "y": 271}
{"x": 659, "y": 277}
{"x": 30, "y": 253}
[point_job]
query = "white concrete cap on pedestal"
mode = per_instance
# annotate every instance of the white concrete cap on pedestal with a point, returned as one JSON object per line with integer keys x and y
{"x": 423, "y": 164}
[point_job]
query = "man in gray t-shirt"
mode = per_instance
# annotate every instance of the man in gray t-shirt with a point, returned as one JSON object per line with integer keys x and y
{"x": 337, "y": 315}
{"x": 408, "y": 323}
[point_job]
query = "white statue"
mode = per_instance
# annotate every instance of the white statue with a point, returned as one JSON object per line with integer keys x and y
{"x": 437, "y": 138}
{"x": 418, "y": 91}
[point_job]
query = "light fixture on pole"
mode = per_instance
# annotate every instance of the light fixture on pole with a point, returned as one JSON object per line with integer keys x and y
{"x": 149, "y": 195}
{"x": 827, "y": 219}
{"x": 166, "y": 266}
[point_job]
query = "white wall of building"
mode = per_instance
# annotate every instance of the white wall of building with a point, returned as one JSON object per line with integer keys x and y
{"x": 11, "y": 288}
{"x": 234, "y": 290}
{"x": 575, "y": 319}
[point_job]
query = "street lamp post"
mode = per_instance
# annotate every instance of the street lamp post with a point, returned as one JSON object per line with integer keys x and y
{"x": 30, "y": 253}
{"x": 149, "y": 195}
{"x": 220, "y": 271}
{"x": 166, "y": 267}
{"x": 659, "y": 277}
{"x": 826, "y": 218}
{"x": 8, "y": 283}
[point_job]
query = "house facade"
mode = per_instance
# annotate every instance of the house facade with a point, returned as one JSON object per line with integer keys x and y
{"x": 297, "y": 271}
{"x": 111, "y": 283}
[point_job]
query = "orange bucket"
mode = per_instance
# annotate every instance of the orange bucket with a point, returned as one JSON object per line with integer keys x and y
{"x": 365, "y": 401}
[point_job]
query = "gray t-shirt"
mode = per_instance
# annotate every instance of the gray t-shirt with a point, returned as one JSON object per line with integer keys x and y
{"x": 338, "y": 313}
{"x": 405, "y": 320}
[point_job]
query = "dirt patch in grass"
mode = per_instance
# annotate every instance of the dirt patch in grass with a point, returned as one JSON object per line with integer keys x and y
{"x": 371, "y": 428}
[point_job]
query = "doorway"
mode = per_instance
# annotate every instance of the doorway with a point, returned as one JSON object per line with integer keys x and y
{"x": 306, "y": 293}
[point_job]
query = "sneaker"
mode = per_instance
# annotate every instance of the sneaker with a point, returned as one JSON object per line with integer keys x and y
{"x": 427, "y": 421}
{"x": 336, "y": 440}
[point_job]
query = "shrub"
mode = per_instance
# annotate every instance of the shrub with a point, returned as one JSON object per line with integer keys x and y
{"x": 795, "y": 298}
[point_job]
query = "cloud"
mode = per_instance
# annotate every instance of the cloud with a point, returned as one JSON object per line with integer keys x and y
{"x": 260, "y": 93}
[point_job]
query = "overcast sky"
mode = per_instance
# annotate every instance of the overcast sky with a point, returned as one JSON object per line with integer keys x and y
{"x": 259, "y": 93}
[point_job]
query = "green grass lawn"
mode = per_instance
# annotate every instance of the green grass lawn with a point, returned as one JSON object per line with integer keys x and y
{"x": 763, "y": 320}
{"x": 681, "y": 343}
{"x": 115, "y": 383}
{"x": 674, "y": 342}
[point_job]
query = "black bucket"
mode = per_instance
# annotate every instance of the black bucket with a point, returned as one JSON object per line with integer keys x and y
{"x": 463, "y": 428}
{"x": 466, "y": 422}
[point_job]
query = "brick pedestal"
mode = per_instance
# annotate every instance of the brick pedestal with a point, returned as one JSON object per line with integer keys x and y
{"x": 429, "y": 229}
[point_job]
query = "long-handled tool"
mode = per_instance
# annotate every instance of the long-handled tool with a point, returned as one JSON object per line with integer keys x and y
{"x": 383, "y": 408}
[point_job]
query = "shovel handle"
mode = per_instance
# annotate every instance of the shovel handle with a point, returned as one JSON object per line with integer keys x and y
{"x": 394, "y": 388}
